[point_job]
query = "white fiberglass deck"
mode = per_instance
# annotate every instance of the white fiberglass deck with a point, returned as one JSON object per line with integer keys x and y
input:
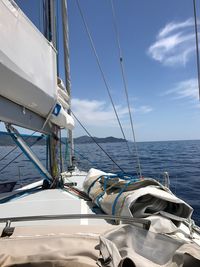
{"x": 44, "y": 202}
{"x": 51, "y": 202}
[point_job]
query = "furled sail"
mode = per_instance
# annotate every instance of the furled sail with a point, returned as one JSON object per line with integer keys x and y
{"x": 139, "y": 198}
{"x": 28, "y": 72}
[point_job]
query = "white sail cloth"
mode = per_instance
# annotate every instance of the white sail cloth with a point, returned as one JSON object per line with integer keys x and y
{"x": 141, "y": 198}
{"x": 28, "y": 69}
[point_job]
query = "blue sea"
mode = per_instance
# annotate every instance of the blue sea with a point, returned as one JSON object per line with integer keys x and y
{"x": 181, "y": 159}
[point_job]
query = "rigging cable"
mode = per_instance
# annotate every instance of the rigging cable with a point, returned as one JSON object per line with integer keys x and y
{"x": 44, "y": 19}
{"x": 40, "y": 137}
{"x": 16, "y": 147}
{"x": 101, "y": 71}
{"x": 83, "y": 157}
{"x": 76, "y": 151}
{"x": 40, "y": 17}
{"x": 97, "y": 142}
{"x": 197, "y": 44}
{"x": 125, "y": 84}
{"x": 60, "y": 150}
{"x": 57, "y": 37}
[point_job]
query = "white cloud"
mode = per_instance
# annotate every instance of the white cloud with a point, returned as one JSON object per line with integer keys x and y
{"x": 173, "y": 26}
{"x": 143, "y": 109}
{"x": 99, "y": 113}
{"x": 96, "y": 113}
{"x": 174, "y": 44}
{"x": 185, "y": 89}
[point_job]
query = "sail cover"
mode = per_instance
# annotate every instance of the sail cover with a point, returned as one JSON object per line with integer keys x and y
{"x": 140, "y": 198}
{"x": 28, "y": 71}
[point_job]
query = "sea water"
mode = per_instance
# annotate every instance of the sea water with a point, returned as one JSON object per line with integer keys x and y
{"x": 181, "y": 159}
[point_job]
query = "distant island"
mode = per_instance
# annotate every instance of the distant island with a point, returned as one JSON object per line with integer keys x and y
{"x": 6, "y": 140}
{"x": 87, "y": 140}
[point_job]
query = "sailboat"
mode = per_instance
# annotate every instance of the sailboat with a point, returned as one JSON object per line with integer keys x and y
{"x": 75, "y": 218}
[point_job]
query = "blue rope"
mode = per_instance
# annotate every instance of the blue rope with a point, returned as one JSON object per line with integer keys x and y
{"x": 104, "y": 187}
{"x": 107, "y": 177}
{"x": 92, "y": 184}
{"x": 98, "y": 199}
{"x": 131, "y": 180}
{"x": 122, "y": 176}
{"x": 116, "y": 199}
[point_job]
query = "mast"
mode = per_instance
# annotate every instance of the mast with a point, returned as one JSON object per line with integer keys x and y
{"x": 49, "y": 21}
{"x": 67, "y": 75}
{"x": 50, "y": 34}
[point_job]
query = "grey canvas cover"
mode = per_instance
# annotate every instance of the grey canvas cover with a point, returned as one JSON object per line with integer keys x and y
{"x": 135, "y": 247}
{"x": 92, "y": 246}
{"x": 142, "y": 198}
{"x": 70, "y": 246}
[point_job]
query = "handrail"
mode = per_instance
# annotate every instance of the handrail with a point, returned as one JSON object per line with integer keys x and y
{"x": 145, "y": 223}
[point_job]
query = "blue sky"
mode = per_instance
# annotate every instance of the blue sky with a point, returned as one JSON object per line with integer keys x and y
{"x": 158, "y": 46}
